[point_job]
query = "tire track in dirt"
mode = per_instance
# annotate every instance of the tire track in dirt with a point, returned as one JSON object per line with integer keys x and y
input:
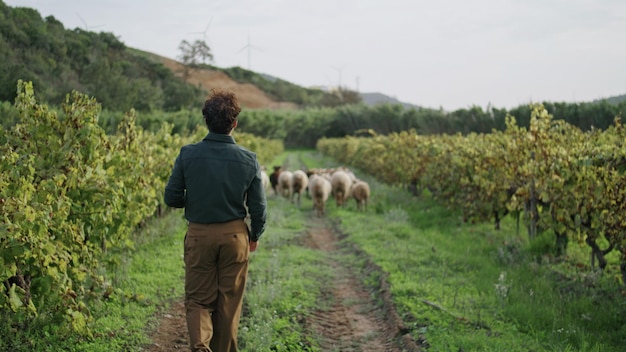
{"x": 352, "y": 321}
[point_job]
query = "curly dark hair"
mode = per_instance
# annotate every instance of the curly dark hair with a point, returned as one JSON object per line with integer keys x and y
{"x": 220, "y": 111}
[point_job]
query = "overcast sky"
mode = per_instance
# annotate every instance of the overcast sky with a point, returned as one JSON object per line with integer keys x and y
{"x": 447, "y": 53}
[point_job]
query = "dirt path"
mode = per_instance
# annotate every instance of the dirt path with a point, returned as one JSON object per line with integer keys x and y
{"x": 349, "y": 319}
{"x": 353, "y": 322}
{"x": 171, "y": 334}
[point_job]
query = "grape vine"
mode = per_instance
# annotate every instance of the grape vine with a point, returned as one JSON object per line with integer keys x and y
{"x": 558, "y": 177}
{"x": 71, "y": 197}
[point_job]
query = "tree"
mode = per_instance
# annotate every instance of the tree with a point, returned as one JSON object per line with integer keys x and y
{"x": 193, "y": 54}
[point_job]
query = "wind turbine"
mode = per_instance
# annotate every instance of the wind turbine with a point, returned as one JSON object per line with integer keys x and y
{"x": 204, "y": 34}
{"x": 249, "y": 47}
{"x": 339, "y": 70}
{"x": 87, "y": 28}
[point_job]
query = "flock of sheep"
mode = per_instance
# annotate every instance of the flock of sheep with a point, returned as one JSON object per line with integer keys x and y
{"x": 319, "y": 185}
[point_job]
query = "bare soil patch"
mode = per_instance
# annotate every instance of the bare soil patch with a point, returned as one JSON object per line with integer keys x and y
{"x": 171, "y": 333}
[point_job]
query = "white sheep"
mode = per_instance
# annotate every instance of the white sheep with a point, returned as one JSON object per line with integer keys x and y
{"x": 299, "y": 183}
{"x": 285, "y": 187}
{"x": 265, "y": 178}
{"x": 361, "y": 193}
{"x": 341, "y": 183}
{"x": 319, "y": 189}
{"x": 348, "y": 171}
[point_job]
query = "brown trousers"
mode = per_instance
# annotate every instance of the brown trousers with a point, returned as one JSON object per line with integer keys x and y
{"x": 216, "y": 267}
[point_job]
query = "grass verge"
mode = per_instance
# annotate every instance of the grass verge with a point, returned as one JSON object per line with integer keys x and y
{"x": 145, "y": 282}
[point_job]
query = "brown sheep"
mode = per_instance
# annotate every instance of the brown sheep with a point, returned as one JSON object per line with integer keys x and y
{"x": 274, "y": 178}
{"x": 299, "y": 183}
{"x": 361, "y": 193}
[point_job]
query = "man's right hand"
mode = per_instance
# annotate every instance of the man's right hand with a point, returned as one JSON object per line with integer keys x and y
{"x": 253, "y": 246}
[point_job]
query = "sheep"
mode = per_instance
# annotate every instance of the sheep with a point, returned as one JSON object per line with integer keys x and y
{"x": 285, "y": 186}
{"x": 341, "y": 183}
{"x": 319, "y": 188}
{"x": 299, "y": 183}
{"x": 266, "y": 180}
{"x": 318, "y": 171}
{"x": 274, "y": 178}
{"x": 361, "y": 193}
{"x": 348, "y": 171}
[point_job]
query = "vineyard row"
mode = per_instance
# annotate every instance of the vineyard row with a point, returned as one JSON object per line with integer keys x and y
{"x": 552, "y": 175}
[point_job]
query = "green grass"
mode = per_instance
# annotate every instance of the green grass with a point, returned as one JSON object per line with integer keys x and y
{"x": 284, "y": 284}
{"x": 147, "y": 282}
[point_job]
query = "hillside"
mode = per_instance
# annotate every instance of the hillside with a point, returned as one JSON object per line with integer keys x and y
{"x": 249, "y": 95}
{"x": 59, "y": 60}
{"x": 98, "y": 64}
{"x": 119, "y": 77}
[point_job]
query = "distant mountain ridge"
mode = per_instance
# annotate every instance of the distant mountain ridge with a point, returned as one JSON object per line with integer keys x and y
{"x": 379, "y": 98}
{"x": 376, "y": 98}
{"x": 612, "y": 100}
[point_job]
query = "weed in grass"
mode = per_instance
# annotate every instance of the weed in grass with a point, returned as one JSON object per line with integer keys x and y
{"x": 396, "y": 215}
{"x": 509, "y": 253}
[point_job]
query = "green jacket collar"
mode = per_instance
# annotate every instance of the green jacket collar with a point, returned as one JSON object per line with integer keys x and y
{"x": 222, "y": 138}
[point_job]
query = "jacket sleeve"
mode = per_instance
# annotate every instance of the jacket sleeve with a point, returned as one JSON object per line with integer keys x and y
{"x": 257, "y": 205}
{"x": 175, "y": 189}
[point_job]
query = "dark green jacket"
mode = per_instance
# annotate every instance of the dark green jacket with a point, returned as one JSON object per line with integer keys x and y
{"x": 214, "y": 180}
